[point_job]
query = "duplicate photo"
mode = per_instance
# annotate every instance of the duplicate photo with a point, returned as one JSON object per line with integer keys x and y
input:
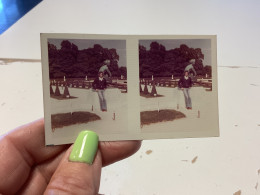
{"x": 129, "y": 87}
{"x": 175, "y": 83}
{"x": 88, "y": 85}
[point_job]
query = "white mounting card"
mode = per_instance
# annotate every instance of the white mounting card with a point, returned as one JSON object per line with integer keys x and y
{"x": 129, "y": 87}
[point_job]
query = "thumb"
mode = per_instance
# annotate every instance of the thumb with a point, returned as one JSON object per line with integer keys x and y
{"x": 80, "y": 169}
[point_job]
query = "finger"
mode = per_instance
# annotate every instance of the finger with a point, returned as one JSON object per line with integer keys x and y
{"x": 40, "y": 176}
{"x": 76, "y": 174}
{"x": 117, "y": 150}
{"x": 19, "y": 151}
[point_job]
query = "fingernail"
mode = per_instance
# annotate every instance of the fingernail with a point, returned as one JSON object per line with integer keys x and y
{"x": 85, "y": 147}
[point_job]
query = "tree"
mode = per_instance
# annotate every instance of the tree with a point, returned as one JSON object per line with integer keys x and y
{"x": 160, "y": 62}
{"x": 123, "y": 71}
{"x": 71, "y": 62}
{"x": 208, "y": 70}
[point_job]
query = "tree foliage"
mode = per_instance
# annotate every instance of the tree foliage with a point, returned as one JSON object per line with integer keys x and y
{"x": 71, "y": 62}
{"x": 159, "y": 62}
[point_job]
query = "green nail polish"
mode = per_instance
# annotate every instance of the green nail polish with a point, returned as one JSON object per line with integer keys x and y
{"x": 85, "y": 147}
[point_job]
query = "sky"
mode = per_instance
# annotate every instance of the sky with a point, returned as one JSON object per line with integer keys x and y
{"x": 204, "y": 44}
{"x": 119, "y": 45}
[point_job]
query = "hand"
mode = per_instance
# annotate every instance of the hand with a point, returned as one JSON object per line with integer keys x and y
{"x": 27, "y": 166}
{"x": 96, "y": 89}
{"x": 182, "y": 89}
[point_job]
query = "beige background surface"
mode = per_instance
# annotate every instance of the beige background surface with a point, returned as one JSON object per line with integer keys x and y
{"x": 224, "y": 165}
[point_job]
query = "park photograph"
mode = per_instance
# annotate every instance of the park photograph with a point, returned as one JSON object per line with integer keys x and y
{"x": 127, "y": 87}
{"x": 87, "y": 85}
{"x": 176, "y": 85}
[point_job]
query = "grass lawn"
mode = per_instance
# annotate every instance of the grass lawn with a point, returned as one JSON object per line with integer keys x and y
{"x": 149, "y": 96}
{"x": 66, "y": 119}
{"x": 148, "y": 117}
{"x": 62, "y": 98}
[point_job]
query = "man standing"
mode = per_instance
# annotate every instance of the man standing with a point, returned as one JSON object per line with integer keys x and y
{"x": 185, "y": 83}
{"x": 100, "y": 85}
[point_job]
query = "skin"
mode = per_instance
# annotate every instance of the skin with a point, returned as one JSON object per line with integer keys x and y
{"x": 27, "y": 166}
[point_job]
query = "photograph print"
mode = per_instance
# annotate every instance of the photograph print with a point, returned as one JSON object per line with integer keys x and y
{"x": 88, "y": 86}
{"x": 129, "y": 87}
{"x": 176, "y": 85}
